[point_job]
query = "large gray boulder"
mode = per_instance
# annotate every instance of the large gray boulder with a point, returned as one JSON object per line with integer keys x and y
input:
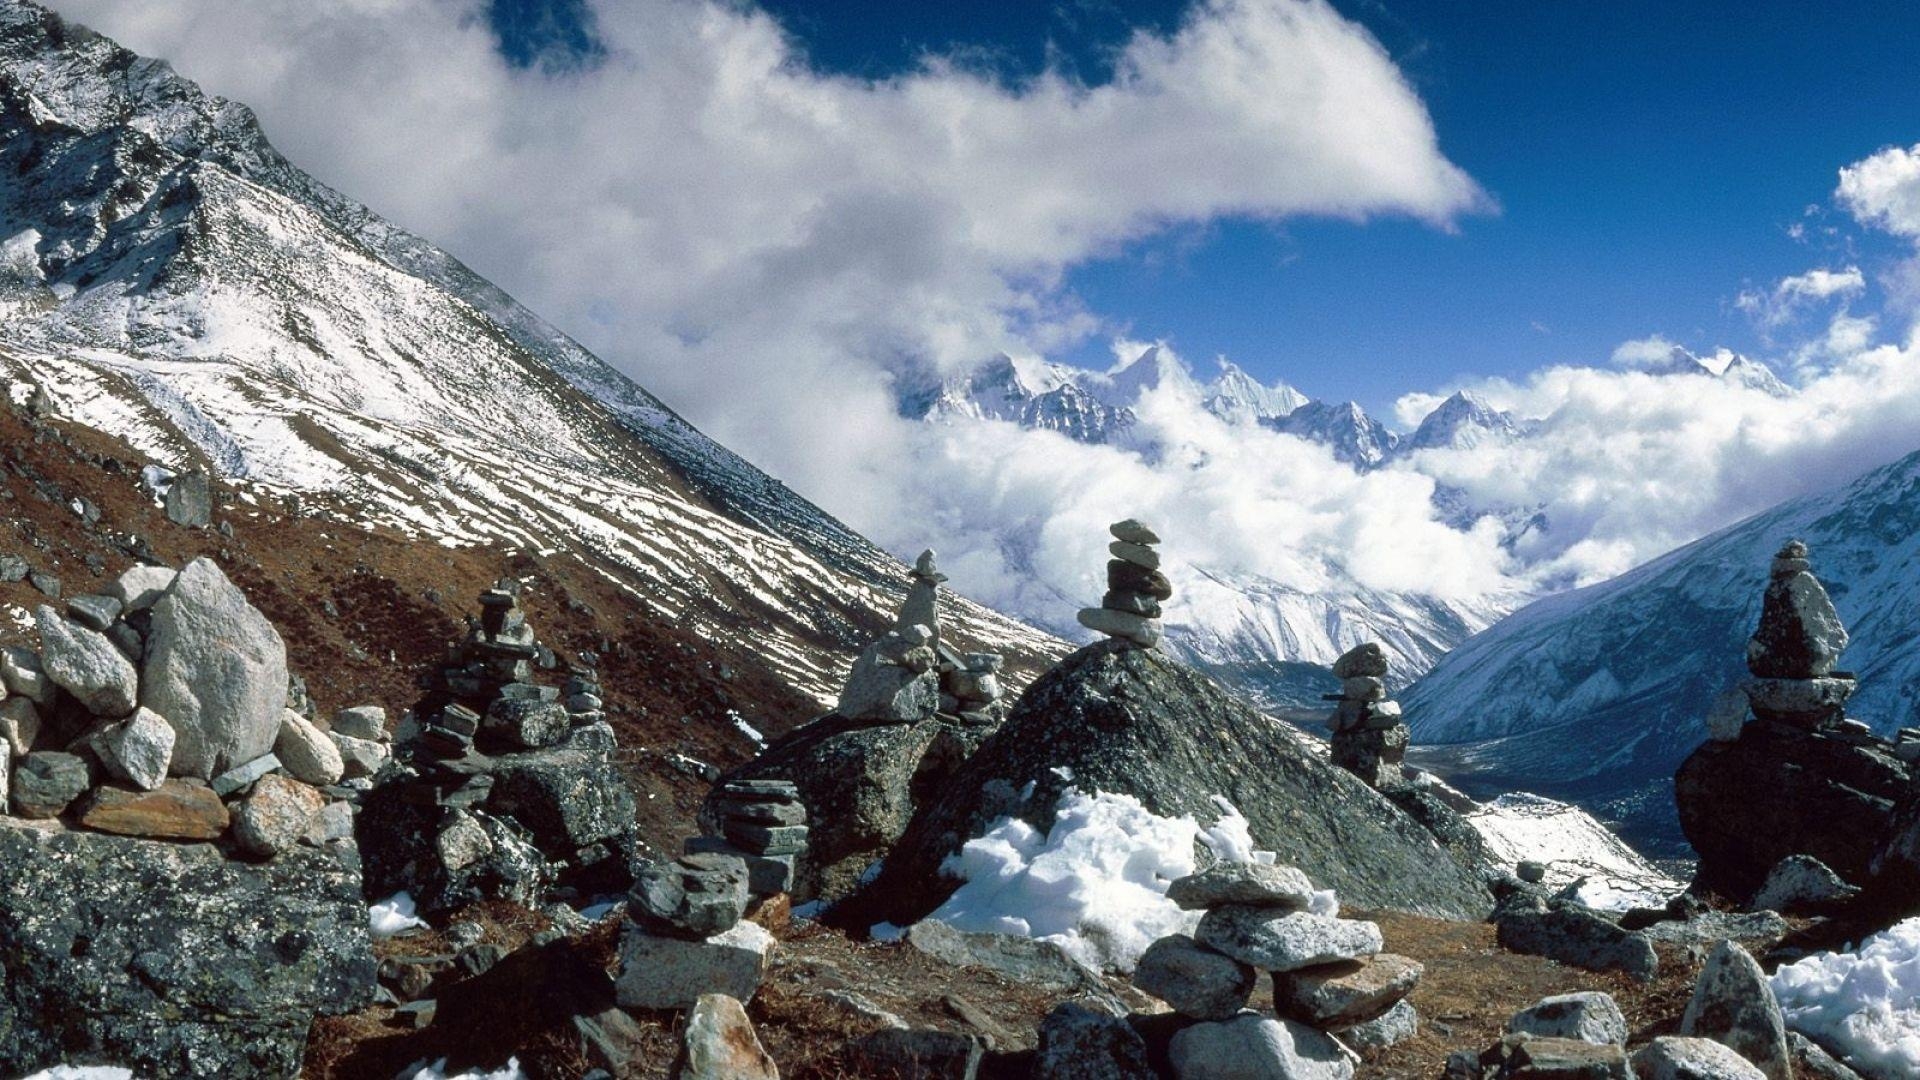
{"x": 1274, "y": 939}
{"x": 1578, "y": 937}
{"x": 217, "y": 670}
{"x": 1125, "y": 720}
{"x": 1586, "y": 1015}
{"x": 1078, "y": 1043}
{"x": 1196, "y": 981}
{"x": 1800, "y": 634}
{"x": 169, "y": 959}
{"x": 1680, "y": 1058}
{"x": 860, "y": 784}
{"x": 1734, "y": 1004}
{"x": 1254, "y": 1047}
{"x": 85, "y": 664}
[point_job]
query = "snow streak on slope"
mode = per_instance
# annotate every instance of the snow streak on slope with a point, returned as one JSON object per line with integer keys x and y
{"x": 1605, "y": 689}
{"x": 170, "y": 279}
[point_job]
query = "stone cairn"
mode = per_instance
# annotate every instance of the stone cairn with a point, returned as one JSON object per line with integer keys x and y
{"x": 763, "y": 824}
{"x": 161, "y": 708}
{"x": 1792, "y": 655}
{"x": 1330, "y": 977}
{"x": 1130, "y": 610}
{"x": 910, "y": 674}
{"x": 1369, "y": 739}
{"x": 506, "y": 788}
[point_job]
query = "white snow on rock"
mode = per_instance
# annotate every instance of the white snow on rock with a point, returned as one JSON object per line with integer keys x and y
{"x": 82, "y": 1072}
{"x": 394, "y": 915}
{"x": 1572, "y": 844}
{"x": 438, "y": 1071}
{"x": 1095, "y": 882}
{"x": 1862, "y": 1005}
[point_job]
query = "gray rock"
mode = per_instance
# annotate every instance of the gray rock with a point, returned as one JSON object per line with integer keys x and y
{"x": 1734, "y": 1004}
{"x": 93, "y": 612}
{"x": 23, "y": 674}
{"x": 767, "y": 839}
{"x": 1077, "y": 1043}
{"x": 1678, "y": 1058}
{"x": 171, "y": 960}
{"x": 333, "y": 823}
{"x": 189, "y": 500}
{"x": 1531, "y": 872}
{"x": 6, "y": 776}
{"x": 1800, "y": 634}
{"x": 1567, "y": 1059}
{"x": 1133, "y": 531}
{"x": 46, "y": 782}
{"x": 671, "y": 973}
{"x": 919, "y": 1054}
{"x": 1258, "y": 884}
{"x": 217, "y": 670}
{"x": 526, "y": 725}
{"x": 1043, "y": 965}
{"x": 1587, "y": 1016}
{"x": 1137, "y": 554}
{"x": 242, "y": 776}
{"x": 275, "y": 816}
{"x": 767, "y": 875}
{"x": 1132, "y": 721}
{"x": 19, "y": 724}
{"x": 140, "y": 587}
{"x": 1253, "y": 1047}
{"x": 719, "y": 1043}
{"x": 1802, "y": 884}
{"x": 567, "y": 797}
{"x": 13, "y": 568}
{"x": 1805, "y": 703}
{"x": 1333, "y": 997}
{"x": 1396, "y": 1025}
{"x": 462, "y": 843}
{"x": 47, "y": 584}
{"x": 85, "y": 664}
{"x": 360, "y": 757}
{"x": 1727, "y": 716}
{"x": 1276, "y": 940}
{"x": 307, "y": 752}
{"x": 693, "y": 897}
{"x": 137, "y": 749}
{"x": 1137, "y": 629}
{"x": 880, "y": 691}
{"x": 1580, "y": 938}
{"x": 1367, "y": 659}
{"x": 1195, "y": 981}
{"x": 1810, "y": 1062}
{"x": 362, "y": 722}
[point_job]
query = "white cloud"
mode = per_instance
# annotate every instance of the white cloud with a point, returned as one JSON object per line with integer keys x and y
{"x": 1883, "y": 190}
{"x": 1791, "y": 295}
{"x": 1643, "y": 352}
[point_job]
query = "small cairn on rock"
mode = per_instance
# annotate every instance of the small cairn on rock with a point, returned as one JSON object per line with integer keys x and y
{"x": 1369, "y": 738}
{"x": 505, "y": 786}
{"x": 909, "y": 674}
{"x": 1130, "y": 610}
{"x": 686, "y": 934}
{"x": 763, "y": 824}
{"x": 1330, "y": 977}
{"x": 1793, "y": 653}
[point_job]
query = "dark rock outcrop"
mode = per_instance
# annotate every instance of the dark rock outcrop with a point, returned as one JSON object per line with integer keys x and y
{"x": 172, "y": 960}
{"x": 860, "y": 783}
{"x": 1125, "y": 720}
{"x": 1777, "y": 791}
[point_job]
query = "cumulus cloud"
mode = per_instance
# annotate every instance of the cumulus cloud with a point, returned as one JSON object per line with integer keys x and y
{"x": 1883, "y": 190}
{"x": 1789, "y": 296}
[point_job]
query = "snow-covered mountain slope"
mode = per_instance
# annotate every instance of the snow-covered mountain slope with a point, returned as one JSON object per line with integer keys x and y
{"x": 1462, "y": 422}
{"x": 1355, "y": 438}
{"x": 168, "y": 277}
{"x": 1599, "y": 693}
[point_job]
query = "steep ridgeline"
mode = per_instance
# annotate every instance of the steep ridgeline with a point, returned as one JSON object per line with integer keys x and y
{"x": 169, "y": 278}
{"x": 1596, "y": 695}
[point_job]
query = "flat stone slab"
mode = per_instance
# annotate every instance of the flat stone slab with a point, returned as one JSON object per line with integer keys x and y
{"x": 1281, "y": 887}
{"x": 1273, "y": 940}
{"x": 1337, "y": 996}
{"x": 175, "y": 810}
{"x": 1195, "y": 980}
{"x": 671, "y": 973}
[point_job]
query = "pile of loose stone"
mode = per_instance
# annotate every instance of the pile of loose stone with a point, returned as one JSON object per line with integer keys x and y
{"x": 1369, "y": 739}
{"x": 161, "y": 708}
{"x": 1130, "y": 610}
{"x": 1329, "y": 977}
{"x": 909, "y": 675}
{"x": 1792, "y": 655}
{"x": 763, "y": 824}
{"x": 505, "y": 787}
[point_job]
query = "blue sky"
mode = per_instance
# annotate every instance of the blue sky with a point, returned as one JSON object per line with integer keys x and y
{"x": 1648, "y": 160}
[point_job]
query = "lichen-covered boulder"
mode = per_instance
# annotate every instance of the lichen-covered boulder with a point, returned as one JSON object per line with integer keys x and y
{"x": 217, "y": 670}
{"x": 1117, "y": 719}
{"x": 170, "y": 959}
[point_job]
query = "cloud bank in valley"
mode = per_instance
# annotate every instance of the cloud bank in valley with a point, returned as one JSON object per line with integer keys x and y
{"x": 770, "y": 247}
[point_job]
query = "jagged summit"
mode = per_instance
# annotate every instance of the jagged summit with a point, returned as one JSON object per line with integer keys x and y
{"x": 1355, "y": 438}
{"x": 1462, "y": 422}
{"x": 171, "y": 279}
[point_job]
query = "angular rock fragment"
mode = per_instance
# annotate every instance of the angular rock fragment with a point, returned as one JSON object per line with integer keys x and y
{"x": 176, "y": 810}
{"x": 1196, "y": 981}
{"x": 137, "y": 749}
{"x": 87, "y": 665}
{"x": 1587, "y": 1015}
{"x": 1273, "y": 940}
{"x": 1734, "y": 1004}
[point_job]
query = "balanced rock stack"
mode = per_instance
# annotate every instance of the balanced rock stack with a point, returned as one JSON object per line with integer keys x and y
{"x": 685, "y": 936}
{"x": 909, "y": 674}
{"x": 158, "y": 709}
{"x": 1329, "y": 977}
{"x": 1369, "y": 739}
{"x": 763, "y": 825}
{"x": 1793, "y": 653}
{"x": 506, "y": 790}
{"x": 1130, "y": 611}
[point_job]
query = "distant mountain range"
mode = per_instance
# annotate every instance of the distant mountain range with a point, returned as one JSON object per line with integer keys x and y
{"x": 1596, "y": 695}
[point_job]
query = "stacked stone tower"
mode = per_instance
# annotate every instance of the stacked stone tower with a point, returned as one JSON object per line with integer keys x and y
{"x": 1130, "y": 611}
{"x": 1369, "y": 739}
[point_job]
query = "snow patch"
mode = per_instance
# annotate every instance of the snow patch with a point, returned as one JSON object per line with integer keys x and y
{"x": 1864, "y": 1005}
{"x": 82, "y": 1072}
{"x": 1572, "y": 844}
{"x": 394, "y": 915}
{"x": 1095, "y": 883}
{"x": 437, "y": 1071}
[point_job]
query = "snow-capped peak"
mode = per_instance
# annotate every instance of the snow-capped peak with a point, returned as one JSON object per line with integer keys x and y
{"x": 1462, "y": 422}
{"x": 1239, "y": 398}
